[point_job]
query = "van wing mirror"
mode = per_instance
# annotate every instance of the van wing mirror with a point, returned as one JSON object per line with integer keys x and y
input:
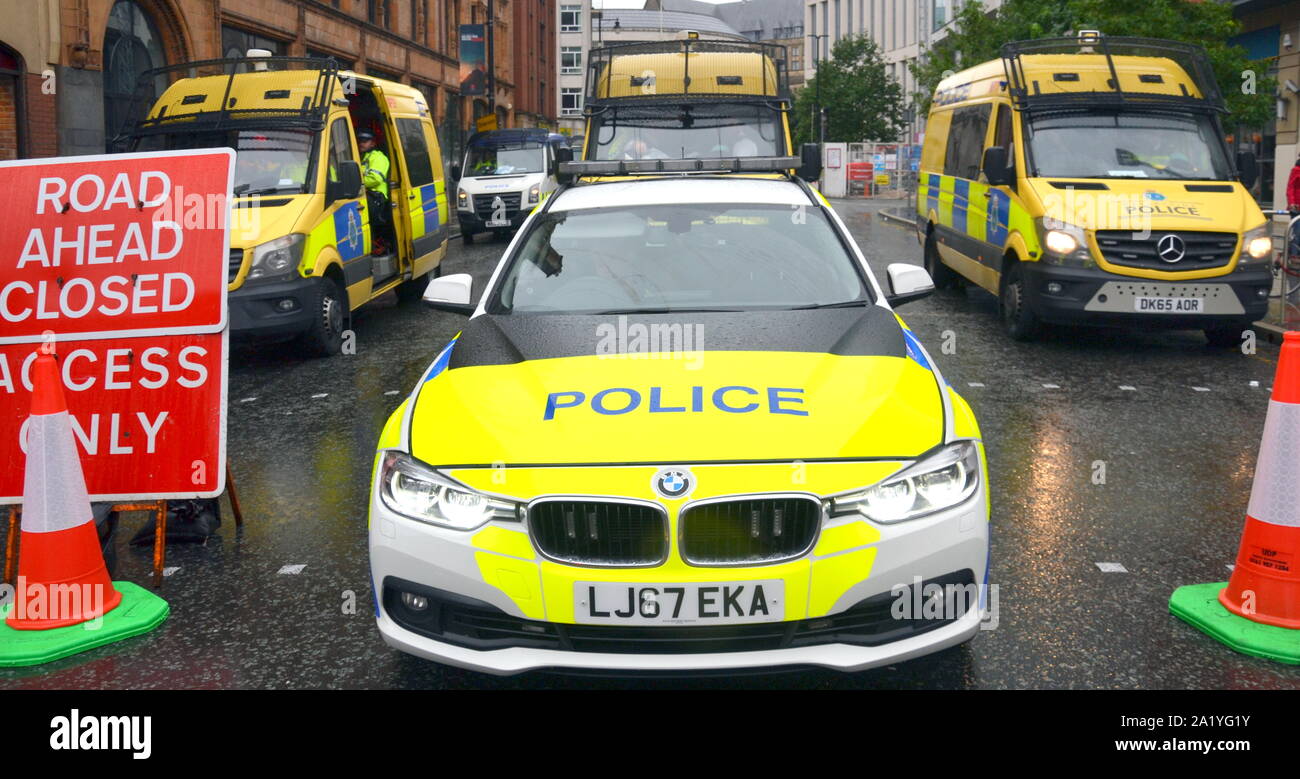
{"x": 451, "y": 293}
{"x": 562, "y": 154}
{"x": 455, "y": 171}
{"x": 348, "y": 185}
{"x": 907, "y": 283}
{"x": 995, "y": 166}
{"x": 810, "y": 161}
{"x": 1247, "y": 168}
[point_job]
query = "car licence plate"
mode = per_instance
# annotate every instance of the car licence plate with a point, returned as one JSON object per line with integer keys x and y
{"x": 696, "y": 603}
{"x": 1169, "y": 305}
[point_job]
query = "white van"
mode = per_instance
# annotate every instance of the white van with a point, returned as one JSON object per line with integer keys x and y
{"x": 505, "y": 174}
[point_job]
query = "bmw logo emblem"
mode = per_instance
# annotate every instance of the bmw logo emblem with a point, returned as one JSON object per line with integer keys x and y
{"x": 673, "y": 483}
{"x": 1149, "y": 195}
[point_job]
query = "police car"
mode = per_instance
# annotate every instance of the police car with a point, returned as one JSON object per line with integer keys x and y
{"x": 683, "y": 429}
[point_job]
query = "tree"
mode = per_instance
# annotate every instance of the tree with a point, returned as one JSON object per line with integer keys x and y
{"x": 978, "y": 36}
{"x": 863, "y": 102}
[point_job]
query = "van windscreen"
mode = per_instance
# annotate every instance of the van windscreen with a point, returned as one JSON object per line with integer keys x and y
{"x": 503, "y": 158}
{"x": 1127, "y": 145}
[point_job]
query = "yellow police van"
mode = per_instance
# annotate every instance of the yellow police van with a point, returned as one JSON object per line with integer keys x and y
{"x": 1086, "y": 180}
{"x": 307, "y": 248}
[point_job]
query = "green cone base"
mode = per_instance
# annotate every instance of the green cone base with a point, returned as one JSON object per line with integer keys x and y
{"x": 139, "y": 612}
{"x": 1199, "y": 606}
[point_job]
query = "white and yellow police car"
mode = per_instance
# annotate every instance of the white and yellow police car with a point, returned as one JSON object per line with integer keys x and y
{"x": 682, "y": 430}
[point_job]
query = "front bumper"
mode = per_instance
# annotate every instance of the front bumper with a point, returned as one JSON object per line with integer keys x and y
{"x": 1231, "y": 299}
{"x": 471, "y": 223}
{"x": 497, "y": 572}
{"x": 255, "y": 308}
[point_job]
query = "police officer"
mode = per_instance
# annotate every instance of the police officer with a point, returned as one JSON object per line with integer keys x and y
{"x": 374, "y": 174}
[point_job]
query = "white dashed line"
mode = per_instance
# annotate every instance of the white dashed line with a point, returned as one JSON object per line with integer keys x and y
{"x": 247, "y": 400}
{"x": 1254, "y": 384}
{"x": 171, "y": 570}
{"x": 1128, "y": 388}
{"x": 1051, "y": 386}
{"x": 393, "y": 392}
{"x": 1230, "y": 567}
{"x": 320, "y": 395}
{"x": 975, "y": 384}
{"x": 1112, "y": 568}
{"x": 1201, "y": 389}
{"x": 292, "y": 569}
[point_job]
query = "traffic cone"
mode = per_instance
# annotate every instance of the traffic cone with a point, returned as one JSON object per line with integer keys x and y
{"x": 1258, "y": 611}
{"x": 64, "y": 602}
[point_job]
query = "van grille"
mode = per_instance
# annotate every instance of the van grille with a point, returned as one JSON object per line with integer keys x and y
{"x": 234, "y": 263}
{"x": 600, "y": 533}
{"x": 744, "y": 532}
{"x": 1201, "y": 249}
{"x": 483, "y": 204}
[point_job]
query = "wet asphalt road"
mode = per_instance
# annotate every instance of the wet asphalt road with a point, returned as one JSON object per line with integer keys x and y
{"x": 1178, "y": 450}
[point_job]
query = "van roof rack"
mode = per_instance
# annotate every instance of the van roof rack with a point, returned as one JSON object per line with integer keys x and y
{"x": 584, "y": 168}
{"x": 1032, "y": 94}
{"x": 737, "y": 71}
{"x": 293, "y": 98}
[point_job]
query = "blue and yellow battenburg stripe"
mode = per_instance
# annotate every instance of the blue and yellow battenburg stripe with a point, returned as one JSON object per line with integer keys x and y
{"x": 950, "y": 199}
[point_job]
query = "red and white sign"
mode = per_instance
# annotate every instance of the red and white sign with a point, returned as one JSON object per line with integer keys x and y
{"x": 119, "y": 263}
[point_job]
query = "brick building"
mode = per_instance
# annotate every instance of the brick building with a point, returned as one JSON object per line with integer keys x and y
{"x": 67, "y": 65}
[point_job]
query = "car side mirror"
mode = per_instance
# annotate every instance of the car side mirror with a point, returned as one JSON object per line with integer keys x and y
{"x": 995, "y": 166}
{"x": 907, "y": 283}
{"x": 450, "y": 293}
{"x": 810, "y": 162}
{"x": 1247, "y": 168}
{"x": 455, "y": 172}
{"x": 348, "y": 185}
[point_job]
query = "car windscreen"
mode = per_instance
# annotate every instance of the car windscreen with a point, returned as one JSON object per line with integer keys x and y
{"x": 689, "y": 131}
{"x": 493, "y": 158}
{"x": 1127, "y": 145}
{"x": 267, "y": 162}
{"x": 697, "y": 257}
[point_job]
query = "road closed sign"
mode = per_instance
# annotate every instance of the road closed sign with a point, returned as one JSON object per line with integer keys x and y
{"x": 118, "y": 265}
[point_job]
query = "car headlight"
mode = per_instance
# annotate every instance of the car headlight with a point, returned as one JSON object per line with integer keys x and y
{"x": 534, "y": 192}
{"x": 415, "y": 490}
{"x": 1063, "y": 244}
{"x": 462, "y": 199}
{"x": 943, "y": 480}
{"x": 277, "y": 258}
{"x": 1256, "y": 247}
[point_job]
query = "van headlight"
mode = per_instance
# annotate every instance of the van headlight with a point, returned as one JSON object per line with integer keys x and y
{"x": 534, "y": 193}
{"x": 1063, "y": 244}
{"x": 277, "y": 258}
{"x": 940, "y": 481}
{"x": 1256, "y": 247}
{"x": 413, "y": 489}
{"x": 462, "y": 200}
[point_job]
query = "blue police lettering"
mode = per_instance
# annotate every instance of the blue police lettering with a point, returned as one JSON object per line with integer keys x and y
{"x": 731, "y": 399}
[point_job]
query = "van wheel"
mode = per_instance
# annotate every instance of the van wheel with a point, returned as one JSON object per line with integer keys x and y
{"x": 325, "y": 338}
{"x": 1226, "y": 336}
{"x": 413, "y": 290}
{"x": 467, "y": 237}
{"x": 943, "y": 276}
{"x": 1017, "y": 320}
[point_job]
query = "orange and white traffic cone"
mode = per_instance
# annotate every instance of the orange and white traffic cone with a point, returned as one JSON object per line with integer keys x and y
{"x": 60, "y": 558}
{"x": 1258, "y": 612}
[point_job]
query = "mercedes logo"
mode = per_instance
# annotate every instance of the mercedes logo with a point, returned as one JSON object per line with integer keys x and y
{"x": 1171, "y": 248}
{"x": 673, "y": 483}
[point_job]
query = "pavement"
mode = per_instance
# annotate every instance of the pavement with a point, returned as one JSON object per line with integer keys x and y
{"x": 1120, "y": 468}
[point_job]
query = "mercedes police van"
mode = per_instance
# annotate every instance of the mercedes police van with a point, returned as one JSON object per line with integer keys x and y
{"x": 303, "y": 251}
{"x": 682, "y": 429}
{"x": 504, "y": 175}
{"x": 1086, "y": 180}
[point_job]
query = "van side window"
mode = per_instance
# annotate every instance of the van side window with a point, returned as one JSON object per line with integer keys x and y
{"x": 966, "y": 135}
{"x": 340, "y": 147}
{"x": 416, "y": 151}
{"x": 1002, "y": 135}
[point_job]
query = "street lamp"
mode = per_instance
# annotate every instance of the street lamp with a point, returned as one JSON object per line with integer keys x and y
{"x": 821, "y": 116}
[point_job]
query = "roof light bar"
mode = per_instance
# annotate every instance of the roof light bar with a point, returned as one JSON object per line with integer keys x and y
{"x": 708, "y": 165}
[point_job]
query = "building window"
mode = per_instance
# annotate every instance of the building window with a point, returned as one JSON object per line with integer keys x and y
{"x": 941, "y": 13}
{"x": 570, "y": 18}
{"x": 132, "y": 45}
{"x": 344, "y": 62}
{"x": 13, "y": 118}
{"x": 796, "y": 58}
{"x": 570, "y": 101}
{"x": 380, "y": 12}
{"x": 236, "y": 43}
{"x": 571, "y": 59}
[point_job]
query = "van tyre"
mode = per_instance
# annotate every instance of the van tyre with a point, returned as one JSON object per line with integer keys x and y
{"x": 413, "y": 290}
{"x": 943, "y": 276}
{"x": 467, "y": 237}
{"x": 1226, "y": 336}
{"x": 1018, "y": 320}
{"x": 329, "y": 320}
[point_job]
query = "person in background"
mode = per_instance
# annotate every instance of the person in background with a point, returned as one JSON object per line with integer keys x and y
{"x": 374, "y": 174}
{"x": 1293, "y": 188}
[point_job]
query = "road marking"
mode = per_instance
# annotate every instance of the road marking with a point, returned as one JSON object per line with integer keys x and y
{"x": 1201, "y": 389}
{"x": 292, "y": 569}
{"x": 1254, "y": 384}
{"x": 171, "y": 570}
{"x": 393, "y": 392}
{"x": 248, "y": 400}
{"x": 320, "y": 395}
{"x": 1051, "y": 386}
{"x": 1230, "y": 567}
{"x": 1112, "y": 568}
{"x": 975, "y": 384}
{"x": 1128, "y": 388}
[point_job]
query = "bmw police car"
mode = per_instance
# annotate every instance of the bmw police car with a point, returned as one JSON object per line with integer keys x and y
{"x": 683, "y": 429}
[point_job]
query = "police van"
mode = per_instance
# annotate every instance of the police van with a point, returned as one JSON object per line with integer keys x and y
{"x": 505, "y": 174}
{"x": 681, "y": 430}
{"x": 1085, "y": 180}
{"x": 303, "y": 253}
